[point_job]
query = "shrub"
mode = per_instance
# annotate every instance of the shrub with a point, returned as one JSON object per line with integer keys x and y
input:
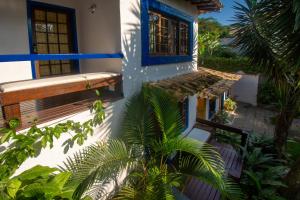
{"x": 229, "y": 64}
{"x": 225, "y": 52}
{"x": 263, "y": 172}
{"x": 229, "y": 105}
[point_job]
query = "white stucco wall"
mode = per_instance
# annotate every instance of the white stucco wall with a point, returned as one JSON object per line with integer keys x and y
{"x": 245, "y": 90}
{"x": 14, "y": 40}
{"x": 100, "y": 33}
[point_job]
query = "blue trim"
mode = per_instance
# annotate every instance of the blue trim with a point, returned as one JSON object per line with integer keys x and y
{"x": 147, "y": 5}
{"x": 33, "y": 4}
{"x": 34, "y": 57}
{"x": 29, "y": 24}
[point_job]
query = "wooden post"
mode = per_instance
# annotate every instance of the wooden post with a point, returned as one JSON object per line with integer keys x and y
{"x": 11, "y": 112}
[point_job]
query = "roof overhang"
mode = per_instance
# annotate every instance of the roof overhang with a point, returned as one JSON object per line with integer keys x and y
{"x": 204, "y": 6}
{"x": 205, "y": 83}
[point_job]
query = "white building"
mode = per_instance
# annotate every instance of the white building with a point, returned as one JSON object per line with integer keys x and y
{"x": 115, "y": 44}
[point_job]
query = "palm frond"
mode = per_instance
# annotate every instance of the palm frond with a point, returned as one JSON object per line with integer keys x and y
{"x": 103, "y": 163}
{"x": 138, "y": 123}
{"x": 208, "y": 157}
{"x": 166, "y": 112}
{"x": 251, "y": 36}
{"x": 189, "y": 166}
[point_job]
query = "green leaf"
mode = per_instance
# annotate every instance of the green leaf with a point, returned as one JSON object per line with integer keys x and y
{"x": 44, "y": 141}
{"x": 13, "y": 187}
{"x": 37, "y": 148}
{"x": 6, "y": 137}
{"x": 37, "y": 189}
{"x": 60, "y": 179}
{"x": 14, "y": 123}
{"x": 35, "y": 172}
{"x": 98, "y": 93}
{"x": 255, "y": 179}
{"x": 87, "y": 198}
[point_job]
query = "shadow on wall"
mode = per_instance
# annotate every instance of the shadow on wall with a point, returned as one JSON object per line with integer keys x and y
{"x": 134, "y": 74}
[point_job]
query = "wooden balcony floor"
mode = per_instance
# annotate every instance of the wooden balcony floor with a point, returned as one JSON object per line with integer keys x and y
{"x": 52, "y": 108}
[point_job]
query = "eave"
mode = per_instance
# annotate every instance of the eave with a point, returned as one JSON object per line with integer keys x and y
{"x": 204, "y": 6}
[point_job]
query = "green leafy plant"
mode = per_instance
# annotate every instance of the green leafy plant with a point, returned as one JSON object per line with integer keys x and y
{"x": 30, "y": 143}
{"x": 208, "y": 43}
{"x": 151, "y": 156}
{"x": 264, "y": 174}
{"x": 225, "y": 52}
{"x": 230, "y": 105}
{"x": 229, "y": 64}
{"x": 38, "y": 183}
{"x": 222, "y": 117}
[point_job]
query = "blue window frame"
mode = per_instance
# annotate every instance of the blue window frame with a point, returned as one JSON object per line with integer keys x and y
{"x": 155, "y": 6}
{"x": 31, "y": 5}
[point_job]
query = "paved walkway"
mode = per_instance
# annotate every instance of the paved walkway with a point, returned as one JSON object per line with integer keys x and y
{"x": 259, "y": 120}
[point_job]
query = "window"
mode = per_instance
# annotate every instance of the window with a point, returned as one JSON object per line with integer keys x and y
{"x": 167, "y": 34}
{"x": 52, "y": 32}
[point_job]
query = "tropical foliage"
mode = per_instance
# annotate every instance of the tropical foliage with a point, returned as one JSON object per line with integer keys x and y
{"x": 231, "y": 64}
{"x": 210, "y": 32}
{"x": 208, "y": 43}
{"x": 264, "y": 174}
{"x": 38, "y": 183}
{"x": 268, "y": 32}
{"x": 211, "y": 25}
{"x": 18, "y": 147}
{"x": 151, "y": 158}
{"x": 230, "y": 105}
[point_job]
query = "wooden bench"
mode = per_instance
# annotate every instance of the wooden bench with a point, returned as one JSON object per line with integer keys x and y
{"x": 197, "y": 190}
{"x": 12, "y": 94}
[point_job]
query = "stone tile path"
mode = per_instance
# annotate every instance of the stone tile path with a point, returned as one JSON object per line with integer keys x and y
{"x": 258, "y": 120}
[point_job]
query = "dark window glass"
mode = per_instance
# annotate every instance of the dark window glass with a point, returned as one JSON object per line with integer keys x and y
{"x": 183, "y": 39}
{"x": 167, "y": 36}
{"x": 52, "y": 35}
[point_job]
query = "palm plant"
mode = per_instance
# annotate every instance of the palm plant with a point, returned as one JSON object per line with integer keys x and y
{"x": 268, "y": 32}
{"x": 151, "y": 158}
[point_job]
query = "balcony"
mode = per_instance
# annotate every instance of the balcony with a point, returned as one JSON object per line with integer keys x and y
{"x": 47, "y": 99}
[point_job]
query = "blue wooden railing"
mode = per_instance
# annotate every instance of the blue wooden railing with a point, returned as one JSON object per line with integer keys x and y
{"x": 34, "y": 57}
{"x": 73, "y": 56}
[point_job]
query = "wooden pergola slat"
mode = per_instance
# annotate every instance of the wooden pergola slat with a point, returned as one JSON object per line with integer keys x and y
{"x": 205, "y": 83}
